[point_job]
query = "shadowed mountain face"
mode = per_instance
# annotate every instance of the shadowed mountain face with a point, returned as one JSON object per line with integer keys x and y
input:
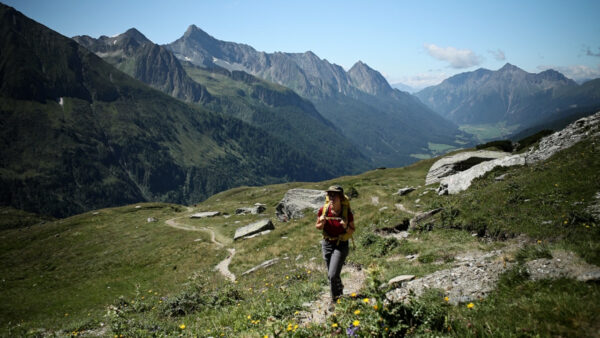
{"x": 275, "y": 109}
{"x": 509, "y": 95}
{"x": 387, "y": 125}
{"x": 78, "y": 134}
{"x": 137, "y": 56}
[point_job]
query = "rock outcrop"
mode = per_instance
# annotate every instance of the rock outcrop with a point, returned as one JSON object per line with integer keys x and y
{"x": 254, "y": 228}
{"x": 452, "y": 182}
{"x": 205, "y": 214}
{"x": 258, "y": 208}
{"x": 451, "y": 165}
{"x": 462, "y": 180}
{"x": 296, "y": 201}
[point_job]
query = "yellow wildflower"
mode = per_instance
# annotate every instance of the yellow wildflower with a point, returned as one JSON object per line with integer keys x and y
{"x": 339, "y": 301}
{"x": 470, "y": 305}
{"x": 356, "y": 323}
{"x": 182, "y": 326}
{"x": 446, "y": 298}
{"x": 295, "y": 327}
{"x": 375, "y": 307}
{"x": 266, "y": 336}
{"x": 353, "y": 294}
{"x": 366, "y": 300}
{"x": 357, "y": 312}
{"x": 334, "y": 325}
{"x": 249, "y": 317}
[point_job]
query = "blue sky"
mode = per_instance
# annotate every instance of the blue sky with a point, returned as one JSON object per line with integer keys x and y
{"x": 418, "y": 43}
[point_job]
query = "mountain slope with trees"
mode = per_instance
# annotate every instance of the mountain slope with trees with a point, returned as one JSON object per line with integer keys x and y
{"x": 78, "y": 134}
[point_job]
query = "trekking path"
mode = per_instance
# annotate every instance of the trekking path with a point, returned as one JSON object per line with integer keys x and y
{"x": 319, "y": 310}
{"x": 223, "y": 266}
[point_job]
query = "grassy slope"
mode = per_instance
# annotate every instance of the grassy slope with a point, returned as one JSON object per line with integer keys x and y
{"x": 117, "y": 248}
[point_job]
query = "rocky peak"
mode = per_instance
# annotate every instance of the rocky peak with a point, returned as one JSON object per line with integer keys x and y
{"x": 509, "y": 68}
{"x": 136, "y": 35}
{"x": 197, "y": 34}
{"x": 368, "y": 79}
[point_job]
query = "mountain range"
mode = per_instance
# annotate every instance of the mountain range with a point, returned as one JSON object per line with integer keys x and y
{"x": 275, "y": 109}
{"x": 389, "y": 126}
{"x": 509, "y": 96}
{"x": 78, "y": 134}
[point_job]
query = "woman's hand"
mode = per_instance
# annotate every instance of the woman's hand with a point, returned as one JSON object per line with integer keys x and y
{"x": 320, "y": 223}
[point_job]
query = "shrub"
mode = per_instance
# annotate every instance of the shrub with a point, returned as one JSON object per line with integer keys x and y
{"x": 504, "y": 145}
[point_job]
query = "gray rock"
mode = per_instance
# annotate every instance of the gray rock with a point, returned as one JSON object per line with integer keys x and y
{"x": 423, "y": 216}
{"x": 152, "y": 219}
{"x": 463, "y": 283}
{"x": 255, "y": 210}
{"x": 398, "y": 280}
{"x": 254, "y": 228}
{"x": 452, "y": 182}
{"x": 462, "y": 180}
{"x": 295, "y": 201}
{"x": 261, "y": 266}
{"x": 451, "y": 165}
{"x": 405, "y": 191}
{"x": 586, "y": 127}
{"x": 500, "y": 178}
{"x": 258, "y": 234}
{"x": 205, "y": 214}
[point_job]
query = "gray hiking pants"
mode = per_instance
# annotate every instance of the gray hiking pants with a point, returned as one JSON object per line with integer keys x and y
{"x": 335, "y": 254}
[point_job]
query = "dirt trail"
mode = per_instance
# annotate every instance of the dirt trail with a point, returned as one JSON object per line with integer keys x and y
{"x": 318, "y": 310}
{"x": 223, "y": 266}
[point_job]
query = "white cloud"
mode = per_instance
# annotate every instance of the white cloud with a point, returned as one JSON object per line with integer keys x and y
{"x": 579, "y": 73}
{"x": 422, "y": 80}
{"x": 458, "y": 58}
{"x": 498, "y": 54}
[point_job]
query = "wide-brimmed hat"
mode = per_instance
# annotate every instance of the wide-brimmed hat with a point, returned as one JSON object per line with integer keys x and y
{"x": 335, "y": 188}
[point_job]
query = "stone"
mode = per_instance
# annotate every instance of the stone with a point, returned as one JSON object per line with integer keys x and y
{"x": 462, "y": 180}
{"x": 451, "y": 165}
{"x": 261, "y": 266}
{"x": 375, "y": 200}
{"x": 254, "y": 228}
{"x": 205, "y": 214}
{"x": 383, "y": 209}
{"x": 455, "y": 173}
{"x": 258, "y": 234}
{"x": 258, "y": 208}
{"x": 420, "y": 217}
{"x": 500, "y": 178}
{"x": 398, "y": 280}
{"x": 295, "y": 201}
{"x": 405, "y": 191}
{"x": 152, "y": 219}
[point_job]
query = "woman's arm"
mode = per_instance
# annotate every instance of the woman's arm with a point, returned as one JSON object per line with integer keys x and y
{"x": 320, "y": 221}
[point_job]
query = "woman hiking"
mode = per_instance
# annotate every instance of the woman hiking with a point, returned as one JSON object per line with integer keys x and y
{"x": 337, "y": 222}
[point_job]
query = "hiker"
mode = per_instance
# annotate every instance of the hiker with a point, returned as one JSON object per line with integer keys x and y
{"x": 337, "y": 222}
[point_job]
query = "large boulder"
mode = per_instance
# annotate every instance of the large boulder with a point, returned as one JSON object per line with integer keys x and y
{"x": 451, "y": 165}
{"x": 295, "y": 201}
{"x": 254, "y": 228}
{"x": 462, "y": 180}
